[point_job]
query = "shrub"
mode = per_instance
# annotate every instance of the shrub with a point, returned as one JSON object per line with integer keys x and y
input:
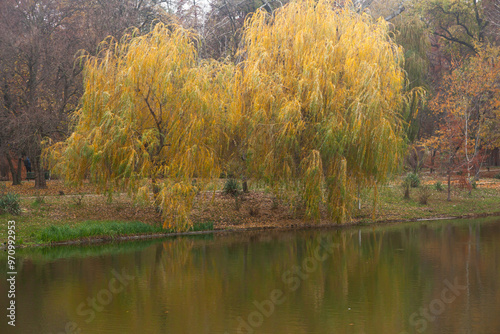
{"x": 39, "y": 199}
{"x": 439, "y": 186}
{"x": 413, "y": 180}
{"x": 253, "y": 208}
{"x": 497, "y": 176}
{"x": 10, "y": 203}
{"x": 410, "y": 181}
{"x": 78, "y": 200}
{"x": 424, "y": 193}
{"x": 231, "y": 187}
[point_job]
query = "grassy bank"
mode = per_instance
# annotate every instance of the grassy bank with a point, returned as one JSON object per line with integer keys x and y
{"x": 58, "y": 213}
{"x": 28, "y": 232}
{"x": 108, "y": 230}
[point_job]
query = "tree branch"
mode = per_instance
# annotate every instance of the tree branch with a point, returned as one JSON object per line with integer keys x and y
{"x": 451, "y": 38}
{"x": 457, "y": 18}
{"x": 401, "y": 8}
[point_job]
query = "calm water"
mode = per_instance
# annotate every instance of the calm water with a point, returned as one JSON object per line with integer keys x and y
{"x": 439, "y": 277}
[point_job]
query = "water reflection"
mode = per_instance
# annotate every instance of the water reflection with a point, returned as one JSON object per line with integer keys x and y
{"x": 440, "y": 277}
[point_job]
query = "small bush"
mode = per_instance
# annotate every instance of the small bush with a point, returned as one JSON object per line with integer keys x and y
{"x": 231, "y": 187}
{"x": 275, "y": 204}
{"x": 410, "y": 181}
{"x": 413, "y": 180}
{"x": 474, "y": 184}
{"x": 497, "y": 176}
{"x": 39, "y": 199}
{"x": 253, "y": 208}
{"x": 202, "y": 226}
{"x": 10, "y": 203}
{"x": 439, "y": 186}
{"x": 78, "y": 199}
{"x": 424, "y": 193}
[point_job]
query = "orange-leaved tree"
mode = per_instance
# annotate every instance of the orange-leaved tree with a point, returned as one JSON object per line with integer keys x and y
{"x": 469, "y": 105}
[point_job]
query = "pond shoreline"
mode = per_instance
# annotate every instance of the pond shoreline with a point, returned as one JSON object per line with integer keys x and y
{"x": 61, "y": 214}
{"x": 291, "y": 227}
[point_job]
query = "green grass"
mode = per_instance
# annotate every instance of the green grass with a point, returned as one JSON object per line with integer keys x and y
{"x": 207, "y": 226}
{"x": 392, "y": 206}
{"x": 92, "y": 229}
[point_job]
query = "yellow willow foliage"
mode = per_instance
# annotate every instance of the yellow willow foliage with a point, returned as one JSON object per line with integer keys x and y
{"x": 151, "y": 113}
{"x": 319, "y": 95}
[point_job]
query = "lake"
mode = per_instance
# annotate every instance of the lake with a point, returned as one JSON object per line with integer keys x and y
{"x": 424, "y": 277}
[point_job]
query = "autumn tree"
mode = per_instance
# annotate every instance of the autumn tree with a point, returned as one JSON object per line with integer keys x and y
{"x": 149, "y": 121}
{"x": 222, "y": 29}
{"x": 314, "y": 107}
{"x": 469, "y": 101}
{"x": 462, "y": 25}
{"x": 318, "y": 102}
{"x": 39, "y": 80}
{"x": 100, "y": 19}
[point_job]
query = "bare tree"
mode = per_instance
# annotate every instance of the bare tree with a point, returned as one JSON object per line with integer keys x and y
{"x": 41, "y": 81}
{"x": 492, "y": 11}
{"x": 224, "y": 21}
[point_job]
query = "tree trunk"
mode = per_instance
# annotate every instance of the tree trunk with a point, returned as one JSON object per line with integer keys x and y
{"x": 407, "y": 191}
{"x": 449, "y": 185}
{"x": 433, "y": 155}
{"x": 359, "y": 198}
{"x": 156, "y": 193}
{"x": 19, "y": 169}
{"x": 40, "y": 182}
{"x": 478, "y": 171}
{"x": 416, "y": 162}
{"x": 16, "y": 174}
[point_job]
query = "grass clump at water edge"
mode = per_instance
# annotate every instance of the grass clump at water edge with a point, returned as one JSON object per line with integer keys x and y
{"x": 92, "y": 229}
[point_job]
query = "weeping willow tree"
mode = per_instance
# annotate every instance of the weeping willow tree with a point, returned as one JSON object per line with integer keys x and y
{"x": 412, "y": 35}
{"x": 319, "y": 98}
{"x": 149, "y": 121}
{"x": 314, "y": 106}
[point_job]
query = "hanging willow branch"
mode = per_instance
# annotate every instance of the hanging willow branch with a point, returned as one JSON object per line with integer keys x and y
{"x": 150, "y": 114}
